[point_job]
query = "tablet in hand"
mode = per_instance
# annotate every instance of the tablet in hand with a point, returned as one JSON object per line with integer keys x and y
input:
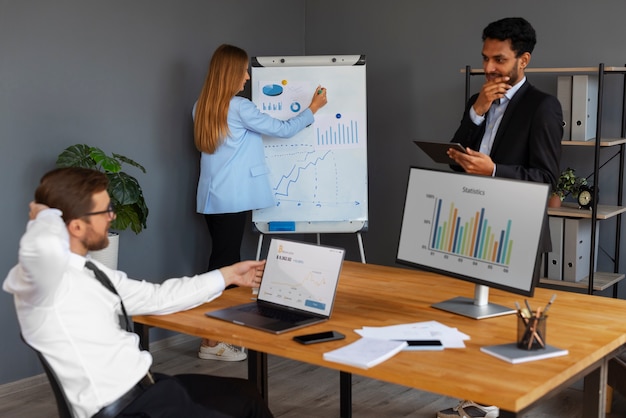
{"x": 438, "y": 151}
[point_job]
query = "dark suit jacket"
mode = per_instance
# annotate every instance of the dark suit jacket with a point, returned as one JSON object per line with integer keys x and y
{"x": 527, "y": 145}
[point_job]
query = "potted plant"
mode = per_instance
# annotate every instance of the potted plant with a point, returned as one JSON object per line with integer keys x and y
{"x": 125, "y": 192}
{"x": 567, "y": 184}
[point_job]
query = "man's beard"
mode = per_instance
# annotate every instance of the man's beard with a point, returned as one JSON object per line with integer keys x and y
{"x": 99, "y": 243}
{"x": 514, "y": 75}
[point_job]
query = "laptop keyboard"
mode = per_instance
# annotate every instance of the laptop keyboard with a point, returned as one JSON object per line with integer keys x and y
{"x": 279, "y": 314}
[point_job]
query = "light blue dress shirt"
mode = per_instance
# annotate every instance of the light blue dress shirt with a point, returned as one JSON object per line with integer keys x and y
{"x": 235, "y": 177}
{"x": 493, "y": 119}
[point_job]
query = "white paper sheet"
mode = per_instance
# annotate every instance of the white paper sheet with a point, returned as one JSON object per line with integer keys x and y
{"x": 429, "y": 330}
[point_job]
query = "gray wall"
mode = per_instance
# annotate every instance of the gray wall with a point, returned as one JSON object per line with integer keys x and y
{"x": 123, "y": 76}
{"x": 415, "y": 51}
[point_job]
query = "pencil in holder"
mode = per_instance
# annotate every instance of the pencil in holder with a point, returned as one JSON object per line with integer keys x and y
{"x": 531, "y": 332}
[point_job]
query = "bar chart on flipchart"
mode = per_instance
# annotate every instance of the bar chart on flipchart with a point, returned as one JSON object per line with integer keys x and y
{"x": 320, "y": 175}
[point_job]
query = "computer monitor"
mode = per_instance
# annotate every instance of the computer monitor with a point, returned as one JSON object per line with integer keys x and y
{"x": 482, "y": 229}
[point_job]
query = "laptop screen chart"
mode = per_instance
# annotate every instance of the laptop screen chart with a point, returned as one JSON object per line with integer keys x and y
{"x": 301, "y": 276}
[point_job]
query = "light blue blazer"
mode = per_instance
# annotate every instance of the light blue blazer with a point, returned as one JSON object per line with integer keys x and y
{"x": 235, "y": 177}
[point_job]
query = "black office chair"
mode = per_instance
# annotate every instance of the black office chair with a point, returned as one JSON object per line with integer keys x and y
{"x": 63, "y": 406}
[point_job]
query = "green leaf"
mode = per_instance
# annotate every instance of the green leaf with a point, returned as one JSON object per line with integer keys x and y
{"x": 108, "y": 164}
{"x": 129, "y": 161}
{"x": 76, "y": 156}
{"x": 124, "y": 189}
{"x": 128, "y": 216}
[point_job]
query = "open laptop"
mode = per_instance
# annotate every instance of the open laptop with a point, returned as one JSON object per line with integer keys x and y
{"x": 298, "y": 288}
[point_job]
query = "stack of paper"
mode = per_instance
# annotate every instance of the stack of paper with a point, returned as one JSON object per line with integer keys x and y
{"x": 429, "y": 330}
{"x": 365, "y": 352}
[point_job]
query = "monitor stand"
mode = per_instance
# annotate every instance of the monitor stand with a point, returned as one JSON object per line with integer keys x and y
{"x": 479, "y": 308}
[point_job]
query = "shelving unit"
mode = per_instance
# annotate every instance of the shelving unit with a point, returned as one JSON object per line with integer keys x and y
{"x": 595, "y": 281}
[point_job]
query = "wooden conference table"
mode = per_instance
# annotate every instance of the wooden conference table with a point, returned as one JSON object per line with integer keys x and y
{"x": 592, "y": 328}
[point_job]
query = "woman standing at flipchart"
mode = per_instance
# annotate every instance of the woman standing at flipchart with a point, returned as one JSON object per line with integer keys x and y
{"x": 233, "y": 173}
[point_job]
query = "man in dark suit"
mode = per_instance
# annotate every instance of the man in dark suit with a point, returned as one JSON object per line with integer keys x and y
{"x": 510, "y": 129}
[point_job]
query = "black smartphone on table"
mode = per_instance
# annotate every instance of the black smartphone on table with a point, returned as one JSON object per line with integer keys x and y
{"x": 319, "y": 337}
{"x": 419, "y": 345}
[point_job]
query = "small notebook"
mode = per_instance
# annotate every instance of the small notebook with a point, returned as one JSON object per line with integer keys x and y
{"x": 298, "y": 288}
{"x": 511, "y": 353}
{"x": 365, "y": 352}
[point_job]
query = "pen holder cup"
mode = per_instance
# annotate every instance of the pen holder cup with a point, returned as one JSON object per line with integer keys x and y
{"x": 531, "y": 332}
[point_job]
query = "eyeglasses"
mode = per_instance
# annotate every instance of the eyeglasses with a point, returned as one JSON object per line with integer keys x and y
{"x": 110, "y": 211}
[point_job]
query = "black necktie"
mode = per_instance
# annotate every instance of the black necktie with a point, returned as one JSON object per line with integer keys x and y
{"x": 106, "y": 282}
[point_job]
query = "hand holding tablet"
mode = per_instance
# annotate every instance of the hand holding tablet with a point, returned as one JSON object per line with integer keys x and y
{"x": 438, "y": 151}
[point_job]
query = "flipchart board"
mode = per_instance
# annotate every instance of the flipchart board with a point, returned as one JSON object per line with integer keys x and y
{"x": 319, "y": 176}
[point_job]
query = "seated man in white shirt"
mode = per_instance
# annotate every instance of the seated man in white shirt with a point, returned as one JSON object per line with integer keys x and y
{"x": 67, "y": 314}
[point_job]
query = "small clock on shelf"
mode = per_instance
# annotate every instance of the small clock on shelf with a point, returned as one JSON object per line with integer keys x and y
{"x": 585, "y": 197}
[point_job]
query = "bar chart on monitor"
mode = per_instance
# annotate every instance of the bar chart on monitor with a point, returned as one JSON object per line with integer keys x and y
{"x": 468, "y": 234}
{"x": 473, "y": 226}
{"x": 471, "y": 235}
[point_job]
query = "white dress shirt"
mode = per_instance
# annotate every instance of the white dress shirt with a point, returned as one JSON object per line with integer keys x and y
{"x": 73, "y": 320}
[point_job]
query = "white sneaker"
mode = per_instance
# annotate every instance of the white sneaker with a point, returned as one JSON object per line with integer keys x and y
{"x": 222, "y": 351}
{"x": 469, "y": 409}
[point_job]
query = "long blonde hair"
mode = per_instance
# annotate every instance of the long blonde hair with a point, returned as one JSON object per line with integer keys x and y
{"x": 223, "y": 81}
